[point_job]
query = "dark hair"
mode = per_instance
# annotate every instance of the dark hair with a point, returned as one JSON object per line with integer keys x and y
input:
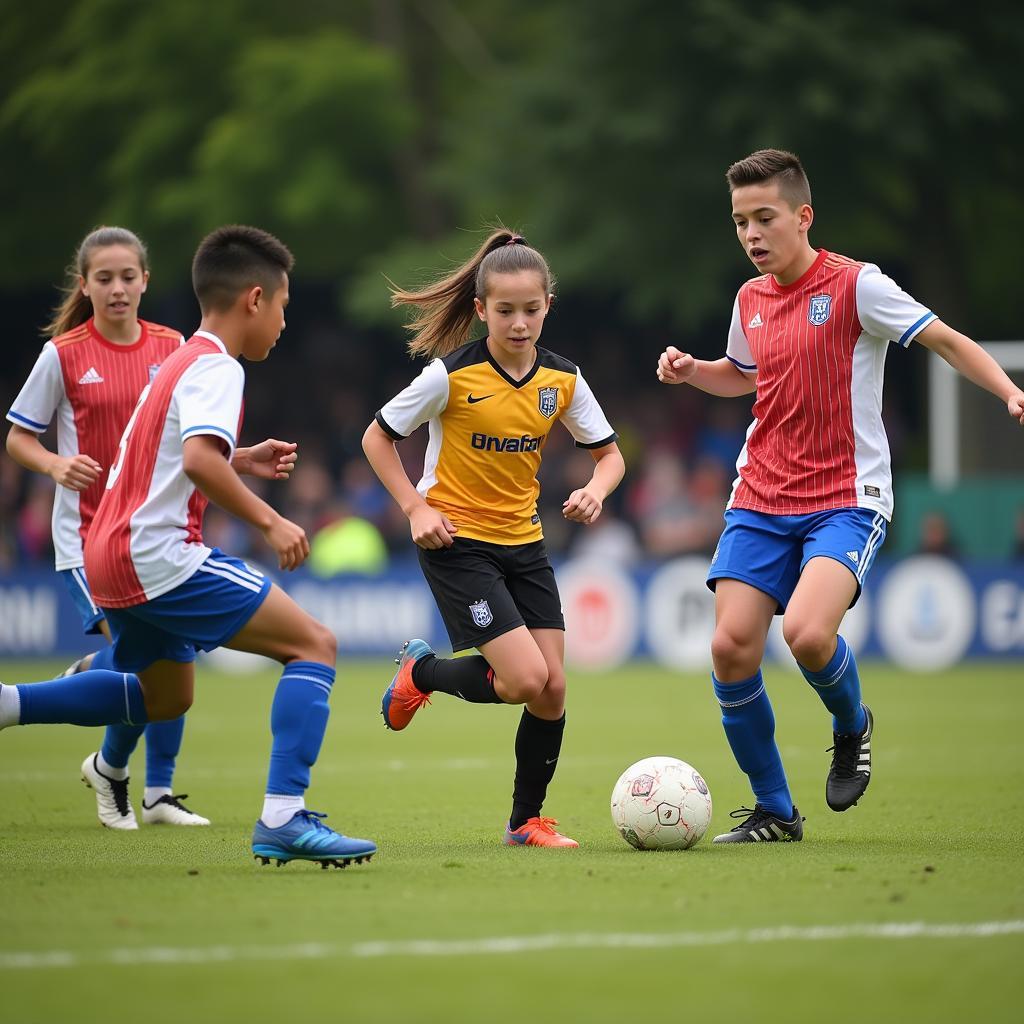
{"x": 776, "y": 165}
{"x": 75, "y": 308}
{"x": 446, "y": 309}
{"x": 234, "y": 258}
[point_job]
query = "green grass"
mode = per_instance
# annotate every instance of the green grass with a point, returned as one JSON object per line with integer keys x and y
{"x": 938, "y": 840}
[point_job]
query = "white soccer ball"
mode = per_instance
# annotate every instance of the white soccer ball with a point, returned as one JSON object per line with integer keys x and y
{"x": 661, "y": 803}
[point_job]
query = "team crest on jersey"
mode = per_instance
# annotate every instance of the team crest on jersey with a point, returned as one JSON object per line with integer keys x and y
{"x": 153, "y": 367}
{"x": 482, "y": 614}
{"x": 547, "y": 400}
{"x": 820, "y": 309}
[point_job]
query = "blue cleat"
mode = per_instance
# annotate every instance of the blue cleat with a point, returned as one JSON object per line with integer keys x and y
{"x": 402, "y": 699}
{"x": 305, "y": 837}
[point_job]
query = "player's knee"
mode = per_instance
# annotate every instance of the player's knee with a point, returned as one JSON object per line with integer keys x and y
{"x": 732, "y": 654}
{"x": 810, "y": 644}
{"x": 525, "y": 684}
{"x": 317, "y": 643}
{"x": 167, "y": 707}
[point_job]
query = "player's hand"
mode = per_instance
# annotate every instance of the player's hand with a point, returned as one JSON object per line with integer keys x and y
{"x": 675, "y": 367}
{"x": 1015, "y": 405}
{"x": 270, "y": 459}
{"x": 76, "y": 472}
{"x": 431, "y": 529}
{"x": 582, "y": 506}
{"x": 289, "y": 542}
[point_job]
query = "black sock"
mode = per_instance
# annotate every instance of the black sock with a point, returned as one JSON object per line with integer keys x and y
{"x": 469, "y": 678}
{"x": 538, "y": 743}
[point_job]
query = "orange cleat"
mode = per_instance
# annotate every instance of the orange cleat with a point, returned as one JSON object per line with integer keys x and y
{"x": 402, "y": 699}
{"x": 537, "y": 832}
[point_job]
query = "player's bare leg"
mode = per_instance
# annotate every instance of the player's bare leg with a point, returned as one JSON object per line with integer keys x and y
{"x": 811, "y": 629}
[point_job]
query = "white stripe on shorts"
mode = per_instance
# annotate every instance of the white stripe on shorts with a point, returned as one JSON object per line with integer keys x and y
{"x": 79, "y": 577}
{"x": 246, "y": 574}
{"x": 867, "y": 556}
{"x": 254, "y": 587}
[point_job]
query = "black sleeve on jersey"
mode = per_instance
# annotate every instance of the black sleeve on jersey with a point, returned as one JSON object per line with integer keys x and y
{"x": 390, "y": 431}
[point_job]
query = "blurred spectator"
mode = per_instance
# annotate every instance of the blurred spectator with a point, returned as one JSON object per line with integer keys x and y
{"x": 1018, "y": 537}
{"x": 347, "y": 544}
{"x": 33, "y": 529}
{"x": 937, "y": 536}
{"x": 723, "y": 434}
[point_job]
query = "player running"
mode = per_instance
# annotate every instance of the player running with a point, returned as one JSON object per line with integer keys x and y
{"x": 88, "y": 377}
{"x": 490, "y": 404}
{"x": 165, "y": 593}
{"x": 811, "y": 504}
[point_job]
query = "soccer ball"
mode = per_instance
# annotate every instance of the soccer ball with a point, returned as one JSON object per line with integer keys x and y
{"x": 661, "y": 803}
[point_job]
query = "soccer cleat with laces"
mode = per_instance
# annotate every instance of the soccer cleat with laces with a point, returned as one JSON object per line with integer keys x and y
{"x": 761, "y": 826}
{"x": 402, "y": 699}
{"x": 851, "y": 766}
{"x": 112, "y": 804}
{"x": 537, "y": 832}
{"x": 306, "y": 837}
{"x": 169, "y": 810}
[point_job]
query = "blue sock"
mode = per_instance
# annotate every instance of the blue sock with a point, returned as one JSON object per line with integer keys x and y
{"x": 103, "y": 658}
{"x": 838, "y": 686}
{"x": 750, "y": 728}
{"x": 119, "y": 742}
{"x": 163, "y": 741}
{"x": 88, "y": 698}
{"x": 298, "y": 719}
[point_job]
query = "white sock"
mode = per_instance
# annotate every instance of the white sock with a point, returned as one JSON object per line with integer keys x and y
{"x": 279, "y": 810}
{"x": 151, "y": 795}
{"x": 10, "y": 706}
{"x": 109, "y": 770}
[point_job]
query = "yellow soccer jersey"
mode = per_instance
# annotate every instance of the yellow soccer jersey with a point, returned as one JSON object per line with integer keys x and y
{"x": 487, "y": 432}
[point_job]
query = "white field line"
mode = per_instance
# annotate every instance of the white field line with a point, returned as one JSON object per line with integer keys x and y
{"x": 506, "y": 945}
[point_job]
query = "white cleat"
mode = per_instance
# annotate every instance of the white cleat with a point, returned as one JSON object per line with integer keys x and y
{"x": 74, "y": 668}
{"x": 112, "y": 806}
{"x": 169, "y": 810}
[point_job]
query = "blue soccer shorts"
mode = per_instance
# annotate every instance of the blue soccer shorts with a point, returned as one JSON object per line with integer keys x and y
{"x": 81, "y": 595}
{"x": 769, "y": 552}
{"x": 201, "y": 614}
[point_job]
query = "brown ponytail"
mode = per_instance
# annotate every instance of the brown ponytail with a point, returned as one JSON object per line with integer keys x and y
{"x": 446, "y": 310}
{"x": 75, "y": 308}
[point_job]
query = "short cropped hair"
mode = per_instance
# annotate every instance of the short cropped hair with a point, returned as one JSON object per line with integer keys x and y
{"x": 235, "y": 258}
{"x": 768, "y": 165}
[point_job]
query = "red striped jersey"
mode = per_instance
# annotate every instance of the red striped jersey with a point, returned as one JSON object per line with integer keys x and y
{"x": 91, "y": 385}
{"x": 146, "y": 536}
{"x": 818, "y": 347}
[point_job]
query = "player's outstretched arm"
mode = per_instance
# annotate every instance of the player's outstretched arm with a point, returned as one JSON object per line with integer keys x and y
{"x": 269, "y": 460}
{"x": 716, "y": 377}
{"x": 206, "y": 466}
{"x": 429, "y": 528}
{"x": 970, "y": 359}
{"x": 585, "y": 504}
{"x": 75, "y": 472}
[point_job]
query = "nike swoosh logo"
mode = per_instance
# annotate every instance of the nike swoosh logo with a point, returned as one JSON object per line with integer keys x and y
{"x": 473, "y": 401}
{"x": 552, "y": 761}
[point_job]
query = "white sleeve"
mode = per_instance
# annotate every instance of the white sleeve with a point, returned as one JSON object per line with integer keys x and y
{"x": 886, "y": 311}
{"x": 42, "y": 393}
{"x": 737, "y": 349}
{"x": 585, "y": 419}
{"x": 424, "y": 399}
{"x": 209, "y": 399}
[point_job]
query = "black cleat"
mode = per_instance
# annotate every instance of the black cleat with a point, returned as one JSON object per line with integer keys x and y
{"x": 761, "y": 826}
{"x": 851, "y": 766}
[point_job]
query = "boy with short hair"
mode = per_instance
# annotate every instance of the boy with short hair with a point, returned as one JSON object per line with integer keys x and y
{"x": 813, "y": 496}
{"x": 165, "y": 593}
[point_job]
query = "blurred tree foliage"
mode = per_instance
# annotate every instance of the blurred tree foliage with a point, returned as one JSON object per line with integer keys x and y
{"x": 372, "y": 134}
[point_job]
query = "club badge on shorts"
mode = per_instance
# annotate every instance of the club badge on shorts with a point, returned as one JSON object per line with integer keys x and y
{"x": 481, "y": 612}
{"x": 820, "y": 309}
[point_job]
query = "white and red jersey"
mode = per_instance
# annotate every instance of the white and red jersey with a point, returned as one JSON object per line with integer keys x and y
{"x": 818, "y": 348}
{"x": 91, "y": 385}
{"x": 146, "y": 536}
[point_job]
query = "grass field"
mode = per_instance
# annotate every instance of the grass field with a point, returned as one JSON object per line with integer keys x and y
{"x": 909, "y": 907}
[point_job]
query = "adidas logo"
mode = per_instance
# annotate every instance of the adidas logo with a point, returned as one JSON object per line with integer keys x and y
{"x": 757, "y": 321}
{"x": 90, "y": 377}
{"x": 853, "y": 556}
